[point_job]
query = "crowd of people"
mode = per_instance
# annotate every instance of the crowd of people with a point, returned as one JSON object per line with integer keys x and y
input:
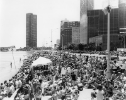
{"x": 90, "y": 71}
{"x": 66, "y": 77}
{"x": 7, "y": 88}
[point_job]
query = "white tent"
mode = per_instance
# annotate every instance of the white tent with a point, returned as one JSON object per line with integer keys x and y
{"x": 41, "y": 61}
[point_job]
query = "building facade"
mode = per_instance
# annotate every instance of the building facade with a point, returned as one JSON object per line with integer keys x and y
{"x": 31, "y": 30}
{"x": 116, "y": 41}
{"x": 97, "y": 22}
{"x": 85, "y": 5}
{"x": 122, "y": 19}
{"x": 66, "y": 32}
{"x": 122, "y": 13}
{"x": 97, "y": 26}
{"x": 75, "y": 35}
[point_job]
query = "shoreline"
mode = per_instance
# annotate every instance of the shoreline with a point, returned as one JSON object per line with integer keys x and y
{"x": 9, "y": 72}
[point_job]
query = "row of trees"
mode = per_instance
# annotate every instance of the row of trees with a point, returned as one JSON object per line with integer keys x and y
{"x": 35, "y": 48}
{"x": 89, "y": 47}
{"x": 92, "y": 47}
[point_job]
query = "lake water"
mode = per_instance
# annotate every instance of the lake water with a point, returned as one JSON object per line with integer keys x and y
{"x": 6, "y": 72}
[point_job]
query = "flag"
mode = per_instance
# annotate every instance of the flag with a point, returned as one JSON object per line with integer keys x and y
{"x": 107, "y": 10}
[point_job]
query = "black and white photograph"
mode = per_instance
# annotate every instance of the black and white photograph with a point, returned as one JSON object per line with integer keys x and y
{"x": 62, "y": 49}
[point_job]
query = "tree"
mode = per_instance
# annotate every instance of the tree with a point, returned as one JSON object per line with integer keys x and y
{"x": 59, "y": 47}
{"x": 80, "y": 46}
{"x": 71, "y": 46}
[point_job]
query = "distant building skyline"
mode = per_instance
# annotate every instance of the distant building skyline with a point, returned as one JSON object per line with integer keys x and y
{"x": 31, "y": 30}
{"x": 49, "y": 15}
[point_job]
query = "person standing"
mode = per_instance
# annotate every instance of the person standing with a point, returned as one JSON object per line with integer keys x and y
{"x": 11, "y": 64}
{"x": 20, "y": 59}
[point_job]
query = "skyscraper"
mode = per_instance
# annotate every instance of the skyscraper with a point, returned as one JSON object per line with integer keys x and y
{"x": 122, "y": 13}
{"x": 31, "y": 30}
{"x": 85, "y": 5}
{"x": 122, "y": 19}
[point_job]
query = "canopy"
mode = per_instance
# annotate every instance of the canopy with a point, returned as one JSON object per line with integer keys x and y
{"x": 41, "y": 61}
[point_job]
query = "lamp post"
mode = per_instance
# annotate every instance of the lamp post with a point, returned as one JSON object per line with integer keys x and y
{"x": 62, "y": 41}
{"x": 13, "y": 58}
{"x": 108, "y": 73}
{"x": 51, "y": 37}
{"x": 124, "y": 41}
{"x": 107, "y": 11}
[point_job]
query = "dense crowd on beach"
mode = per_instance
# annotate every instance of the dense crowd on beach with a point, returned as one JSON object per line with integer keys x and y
{"x": 66, "y": 78}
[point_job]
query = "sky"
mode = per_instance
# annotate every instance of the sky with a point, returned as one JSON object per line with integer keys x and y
{"x": 49, "y": 15}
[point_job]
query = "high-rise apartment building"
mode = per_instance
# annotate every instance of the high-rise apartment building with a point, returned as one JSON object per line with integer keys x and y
{"x": 66, "y": 32}
{"x": 85, "y": 5}
{"x": 31, "y": 30}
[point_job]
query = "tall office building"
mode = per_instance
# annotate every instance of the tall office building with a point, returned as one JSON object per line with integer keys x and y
{"x": 97, "y": 22}
{"x": 122, "y": 13}
{"x": 66, "y": 32}
{"x": 31, "y": 30}
{"x": 97, "y": 26}
{"x": 85, "y": 5}
{"x": 122, "y": 19}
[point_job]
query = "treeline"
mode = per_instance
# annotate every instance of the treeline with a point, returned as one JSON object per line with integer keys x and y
{"x": 35, "y": 48}
{"x": 89, "y": 47}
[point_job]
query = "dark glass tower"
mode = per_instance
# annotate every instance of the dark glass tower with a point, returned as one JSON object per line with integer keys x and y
{"x": 31, "y": 30}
